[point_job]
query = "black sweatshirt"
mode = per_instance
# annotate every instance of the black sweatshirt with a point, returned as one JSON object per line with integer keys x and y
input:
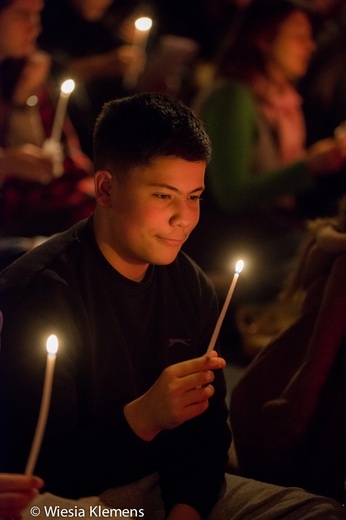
{"x": 115, "y": 338}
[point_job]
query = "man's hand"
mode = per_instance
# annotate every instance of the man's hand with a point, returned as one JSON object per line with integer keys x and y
{"x": 180, "y": 393}
{"x": 16, "y": 493}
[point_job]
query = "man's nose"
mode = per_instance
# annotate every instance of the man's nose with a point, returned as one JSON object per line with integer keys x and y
{"x": 183, "y": 215}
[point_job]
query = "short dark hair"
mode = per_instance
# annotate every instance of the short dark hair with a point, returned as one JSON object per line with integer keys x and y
{"x": 135, "y": 130}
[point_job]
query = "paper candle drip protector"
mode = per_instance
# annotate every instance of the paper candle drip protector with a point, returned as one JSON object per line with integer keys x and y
{"x": 52, "y": 348}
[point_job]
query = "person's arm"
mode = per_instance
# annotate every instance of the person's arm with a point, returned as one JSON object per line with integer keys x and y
{"x": 27, "y": 162}
{"x": 193, "y": 455}
{"x": 230, "y": 117}
{"x": 181, "y": 393}
{"x": 114, "y": 63}
{"x": 16, "y": 493}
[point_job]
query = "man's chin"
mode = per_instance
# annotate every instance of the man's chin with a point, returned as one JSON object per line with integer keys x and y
{"x": 165, "y": 259}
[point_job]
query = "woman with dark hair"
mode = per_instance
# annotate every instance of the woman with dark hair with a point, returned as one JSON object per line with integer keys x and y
{"x": 254, "y": 112}
{"x": 255, "y": 121}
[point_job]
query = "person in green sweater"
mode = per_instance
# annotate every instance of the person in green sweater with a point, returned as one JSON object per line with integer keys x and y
{"x": 260, "y": 164}
{"x": 254, "y": 113}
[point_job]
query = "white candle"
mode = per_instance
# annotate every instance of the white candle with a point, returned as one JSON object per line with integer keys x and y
{"x": 65, "y": 91}
{"x": 140, "y": 39}
{"x": 238, "y": 268}
{"x": 142, "y": 28}
{"x": 52, "y": 348}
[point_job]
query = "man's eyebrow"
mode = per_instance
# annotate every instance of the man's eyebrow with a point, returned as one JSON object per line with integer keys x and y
{"x": 172, "y": 188}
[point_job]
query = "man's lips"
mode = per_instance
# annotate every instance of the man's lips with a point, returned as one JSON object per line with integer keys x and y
{"x": 172, "y": 241}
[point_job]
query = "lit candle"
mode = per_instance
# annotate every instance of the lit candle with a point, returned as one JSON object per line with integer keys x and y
{"x": 142, "y": 28}
{"x": 52, "y": 348}
{"x": 238, "y": 268}
{"x": 141, "y": 34}
{"x": 66, "y": 89}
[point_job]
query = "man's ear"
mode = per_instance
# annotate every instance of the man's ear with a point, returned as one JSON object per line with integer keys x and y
{"x": 103, "y": 180}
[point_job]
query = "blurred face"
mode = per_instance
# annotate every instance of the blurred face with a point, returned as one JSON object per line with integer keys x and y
{"x": 151, "y": 213}
{"x": 290, "y": 53}
{"x": 325, "y": 7}
{"x": 19, "y": 28}
{"x": 92, "y": 10}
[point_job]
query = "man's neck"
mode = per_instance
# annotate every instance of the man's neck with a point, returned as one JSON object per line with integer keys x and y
{"x": 132, "y": 271}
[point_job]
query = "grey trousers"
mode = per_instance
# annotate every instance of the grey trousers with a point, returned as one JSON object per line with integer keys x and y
{"x": 241, "y": 499}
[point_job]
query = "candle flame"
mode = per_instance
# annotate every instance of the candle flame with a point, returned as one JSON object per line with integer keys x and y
{"x": 32, "y": 101}
{"x": 239, "y": 266}
{"x": 68, "y": 86}
{"x": 52, "y": 344}
{"x": 144, "y": 23}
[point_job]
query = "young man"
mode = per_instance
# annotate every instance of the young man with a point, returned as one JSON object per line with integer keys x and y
{"x": 136, "y": 405}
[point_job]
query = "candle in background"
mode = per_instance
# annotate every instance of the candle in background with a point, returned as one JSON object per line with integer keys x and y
{"x": 52, "y": 145}
{"x": 52, "y": 349}
{"x": 65, "y": 91}
{"x": 142, "y": 28}
{"x": 140, "y": 39}
{"x": 238, "y": 268}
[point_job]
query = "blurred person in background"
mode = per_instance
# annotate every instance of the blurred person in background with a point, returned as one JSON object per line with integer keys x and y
{"x": 33, "y": 200}
{"x": 324, "y": 84}
{"x": 324, "y": 100}
{"x": 91, "y": 42}
{"x": 260, "y": 163}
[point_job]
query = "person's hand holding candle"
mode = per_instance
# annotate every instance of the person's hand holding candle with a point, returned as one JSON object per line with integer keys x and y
{"x": 181, "y": 393}
{"x": 16, "y": 493}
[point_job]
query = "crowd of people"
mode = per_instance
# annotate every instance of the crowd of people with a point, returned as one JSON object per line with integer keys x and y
{"x": 138, "y": 415}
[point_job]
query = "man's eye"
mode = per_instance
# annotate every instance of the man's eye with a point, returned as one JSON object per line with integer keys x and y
{"x": 195, "y": 198}
{"x": 162, "y": 195}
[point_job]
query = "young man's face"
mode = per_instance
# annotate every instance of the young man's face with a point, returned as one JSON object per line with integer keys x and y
{"x": 153, "y": 211}
{"x": 19, "y": 27}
